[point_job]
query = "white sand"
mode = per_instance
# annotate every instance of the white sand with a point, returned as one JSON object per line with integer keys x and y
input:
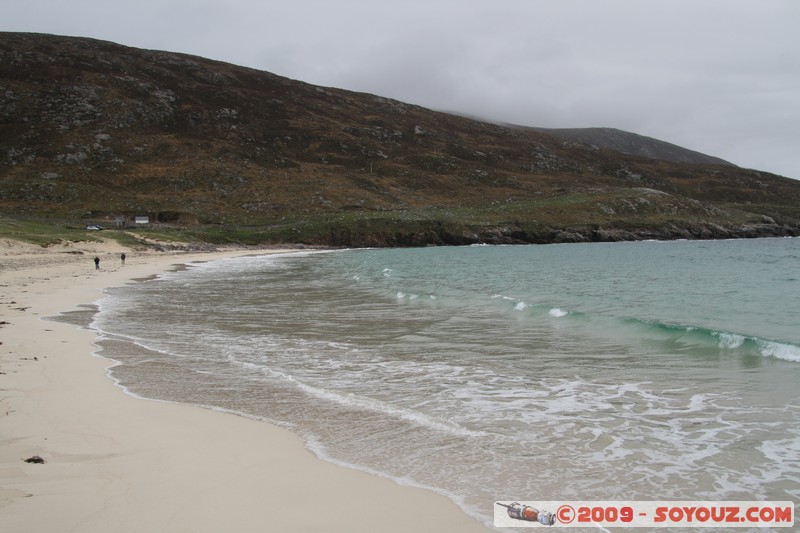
{"x": 115, "y": 463}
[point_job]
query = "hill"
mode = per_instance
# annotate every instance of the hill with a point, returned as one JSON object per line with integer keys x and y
{"x": 634, "y": 144}
{"x": 95, "y": 131}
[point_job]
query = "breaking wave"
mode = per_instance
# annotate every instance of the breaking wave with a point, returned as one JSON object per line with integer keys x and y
{"x": 725, "y": 341}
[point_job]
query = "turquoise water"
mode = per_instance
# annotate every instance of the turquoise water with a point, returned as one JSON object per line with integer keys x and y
{"x": 618, "y": 371}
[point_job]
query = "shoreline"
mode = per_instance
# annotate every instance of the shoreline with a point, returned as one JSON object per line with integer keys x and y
{"x": 116, "y": 462}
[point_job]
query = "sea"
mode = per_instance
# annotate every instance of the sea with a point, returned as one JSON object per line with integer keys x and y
{"x": 597, "y": 371}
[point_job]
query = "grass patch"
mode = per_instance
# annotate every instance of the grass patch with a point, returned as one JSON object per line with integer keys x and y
{"x": 44, "y": 233}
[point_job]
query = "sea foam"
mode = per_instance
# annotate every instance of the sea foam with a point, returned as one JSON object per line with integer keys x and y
{"x": 788, "y": 352}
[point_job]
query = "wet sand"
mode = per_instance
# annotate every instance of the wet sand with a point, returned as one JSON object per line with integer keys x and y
{"x": 115, "y": 463}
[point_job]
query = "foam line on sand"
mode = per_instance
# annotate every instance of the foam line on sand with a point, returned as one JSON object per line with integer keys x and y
{"x": 115, "y": 463}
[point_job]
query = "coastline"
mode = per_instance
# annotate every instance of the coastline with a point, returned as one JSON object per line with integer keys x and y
{"x": 114, "y": 462}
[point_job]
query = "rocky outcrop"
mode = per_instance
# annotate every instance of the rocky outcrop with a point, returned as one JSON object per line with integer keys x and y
{"x": 443, "y": 235}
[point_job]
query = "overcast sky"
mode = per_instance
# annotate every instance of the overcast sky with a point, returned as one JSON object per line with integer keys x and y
{"x": 717, "y": 76}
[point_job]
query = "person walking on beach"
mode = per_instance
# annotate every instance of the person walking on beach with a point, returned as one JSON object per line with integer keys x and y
{"x": 122, "y": 257}
{"x": 96, "y": 263}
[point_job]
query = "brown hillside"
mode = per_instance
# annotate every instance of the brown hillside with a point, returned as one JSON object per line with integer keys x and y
{"x": 92, "y": 129}
{"x": 631, "y": 143}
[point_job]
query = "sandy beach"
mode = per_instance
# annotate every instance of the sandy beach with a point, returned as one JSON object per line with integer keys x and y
{"x": 115, "y": 463}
